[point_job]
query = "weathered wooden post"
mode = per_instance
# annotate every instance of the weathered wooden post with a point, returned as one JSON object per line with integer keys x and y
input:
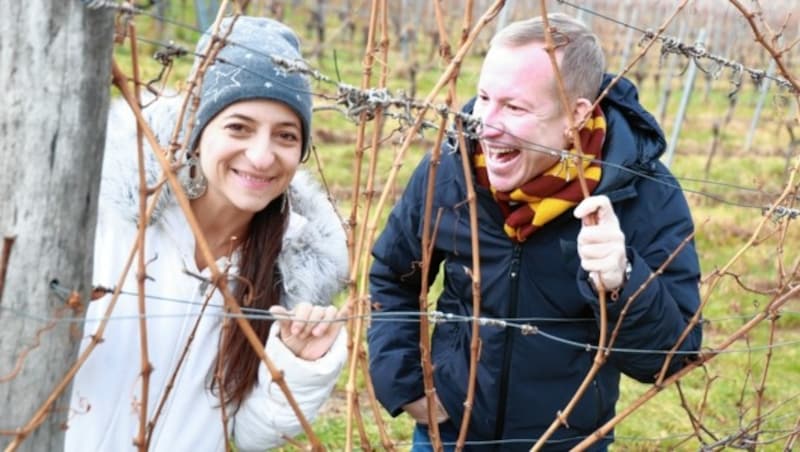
{"x": 54, "y": 70}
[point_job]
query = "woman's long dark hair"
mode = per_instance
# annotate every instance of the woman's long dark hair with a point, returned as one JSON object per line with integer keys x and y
{"x": 258, "y": 256}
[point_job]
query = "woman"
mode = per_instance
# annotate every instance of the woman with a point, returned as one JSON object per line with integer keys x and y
{"x": 272, "y": 230}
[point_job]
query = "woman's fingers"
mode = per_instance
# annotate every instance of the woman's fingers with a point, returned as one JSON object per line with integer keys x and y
{"x": 315, "y": 315}
{"x": 329, "y": 315}
{"x": 308, "y": 320}
{"x": 283, "y": 317}
{"x": 299, "y": 316}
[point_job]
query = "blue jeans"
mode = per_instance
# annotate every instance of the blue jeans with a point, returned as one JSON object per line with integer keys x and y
{"x": 448, "y": 435}
{"x": 421, "y": 442}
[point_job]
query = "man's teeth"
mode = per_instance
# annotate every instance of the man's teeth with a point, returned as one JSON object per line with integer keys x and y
{"x": 502, "y": 150}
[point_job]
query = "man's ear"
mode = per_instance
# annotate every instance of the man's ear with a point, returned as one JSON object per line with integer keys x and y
{"x": 581, "y": 111}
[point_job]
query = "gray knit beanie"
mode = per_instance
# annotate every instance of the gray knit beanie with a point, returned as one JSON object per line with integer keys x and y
{"x": 244, "y": 69}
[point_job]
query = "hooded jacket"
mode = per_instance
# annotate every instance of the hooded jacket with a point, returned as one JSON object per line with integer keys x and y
{"x": 106, "y": 396}
{"x": 523, "y": 380}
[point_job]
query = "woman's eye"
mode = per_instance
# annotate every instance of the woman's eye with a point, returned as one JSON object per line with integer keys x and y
{"x": 289, "y": 136}
{"x": 236, "y": 127}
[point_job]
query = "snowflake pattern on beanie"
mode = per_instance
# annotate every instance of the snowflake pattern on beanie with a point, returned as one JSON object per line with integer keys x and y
{"x": 250, "y": 66}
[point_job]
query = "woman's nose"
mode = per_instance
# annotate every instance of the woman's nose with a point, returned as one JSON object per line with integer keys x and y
{"x": 260, "y": 152}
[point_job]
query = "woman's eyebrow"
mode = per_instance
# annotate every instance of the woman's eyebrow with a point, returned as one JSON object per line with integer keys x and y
{"x": 239, "y": 116}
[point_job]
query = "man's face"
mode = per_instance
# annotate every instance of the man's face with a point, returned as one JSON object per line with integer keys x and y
{"x": 519, "y": 104}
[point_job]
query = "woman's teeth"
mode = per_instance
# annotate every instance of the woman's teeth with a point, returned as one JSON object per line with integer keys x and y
{"x": 252, "y": 177}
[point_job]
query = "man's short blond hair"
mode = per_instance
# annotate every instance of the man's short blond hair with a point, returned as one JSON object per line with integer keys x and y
{"x": 582, "y": 60}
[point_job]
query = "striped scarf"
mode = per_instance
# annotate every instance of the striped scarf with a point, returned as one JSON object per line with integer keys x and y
{"x": 553, "y": 192}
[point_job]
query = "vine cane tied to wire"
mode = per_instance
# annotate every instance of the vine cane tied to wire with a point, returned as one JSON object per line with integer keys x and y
{"x": 600, "y": 356}
{"x": 361, "y": 300}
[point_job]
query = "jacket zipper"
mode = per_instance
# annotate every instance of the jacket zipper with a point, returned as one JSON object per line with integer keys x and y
{"x": 599, "y": 398}
{"x": 513, "y": 276}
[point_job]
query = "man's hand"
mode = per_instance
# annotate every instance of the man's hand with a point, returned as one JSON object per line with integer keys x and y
{"x": 309, "y": 331}
{"x": 601, "y": 247}
{"x": 418, "y": 409}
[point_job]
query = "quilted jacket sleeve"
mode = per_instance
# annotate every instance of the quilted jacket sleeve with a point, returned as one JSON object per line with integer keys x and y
{"x": 662, "y": 310}
{"x": 395, "y": 284}
{"x": 265, "y": 417}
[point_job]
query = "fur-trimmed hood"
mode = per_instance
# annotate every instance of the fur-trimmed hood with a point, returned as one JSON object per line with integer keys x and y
{"x": 313, "y": 260}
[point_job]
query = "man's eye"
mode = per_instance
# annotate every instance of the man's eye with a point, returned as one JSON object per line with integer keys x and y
{"x": 513, "y": 107}
{"x": 289, "y": 136}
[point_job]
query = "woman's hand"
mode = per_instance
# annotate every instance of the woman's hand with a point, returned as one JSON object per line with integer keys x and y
{"x": 309, "y": 331}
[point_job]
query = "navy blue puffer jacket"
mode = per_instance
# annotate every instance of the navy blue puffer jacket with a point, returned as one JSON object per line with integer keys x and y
{"x": 524, "y": 380}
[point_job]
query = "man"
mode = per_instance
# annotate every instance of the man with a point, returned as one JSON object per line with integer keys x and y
{"x": 542, "y": 258}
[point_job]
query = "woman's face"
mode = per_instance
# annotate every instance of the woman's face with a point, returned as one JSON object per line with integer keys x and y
{"x": 249, "y": 153}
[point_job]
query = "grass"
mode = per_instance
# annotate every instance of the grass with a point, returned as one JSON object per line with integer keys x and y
{"x": 729, "y": 383}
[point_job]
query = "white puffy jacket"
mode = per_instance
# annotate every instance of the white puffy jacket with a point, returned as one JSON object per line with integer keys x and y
{"x": 106, "y": 397}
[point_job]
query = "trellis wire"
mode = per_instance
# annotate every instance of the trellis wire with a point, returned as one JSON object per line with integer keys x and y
{"x": 522, "y": 324}
{"x": 354, "y": 101}
{"x": 696, "y": 52}
{"x": 255, "y": 313}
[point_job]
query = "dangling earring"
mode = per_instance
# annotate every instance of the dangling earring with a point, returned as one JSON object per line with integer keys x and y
{"x": 192, "y": 178}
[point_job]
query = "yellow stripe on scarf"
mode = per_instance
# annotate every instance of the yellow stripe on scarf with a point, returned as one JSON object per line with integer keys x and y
{"x": 479, "y": 160}
{"x": 549, "y": 209}
{"x": 566, "y": 169}
{"x": 596, "y": 122}
{"x": 521, "y": 196}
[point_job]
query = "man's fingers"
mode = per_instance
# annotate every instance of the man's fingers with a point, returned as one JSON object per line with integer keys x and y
{"x": 593, "y": 253}
{"x": 600, "y": 205}
{"x": 603, "y": 264}
{"x": 606, "y": 234}
{"x": 591, "y": 205}
{"x": 600, "y": 250}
